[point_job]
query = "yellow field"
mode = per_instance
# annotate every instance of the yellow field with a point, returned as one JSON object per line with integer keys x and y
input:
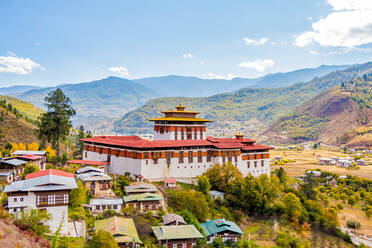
{"x": 307, "y": 160}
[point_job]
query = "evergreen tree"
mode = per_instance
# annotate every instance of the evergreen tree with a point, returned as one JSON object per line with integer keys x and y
{"x": 55, "y": 124}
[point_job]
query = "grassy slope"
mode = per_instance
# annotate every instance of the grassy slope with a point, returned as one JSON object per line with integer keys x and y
{"x": 331, "y": 117}
{"x": 15, "y": 130}
{"x": 27, "y": 109}
{"x": 264, "y": 104}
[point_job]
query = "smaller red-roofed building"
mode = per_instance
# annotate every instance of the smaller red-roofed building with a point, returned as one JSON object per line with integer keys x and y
{"x": 46, "y": 190}
{"x": 37, "y": 160}
{"x": 180, "y": 150}
{"x": 170, "y": 182}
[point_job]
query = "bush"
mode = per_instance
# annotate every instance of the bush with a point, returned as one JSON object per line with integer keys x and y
{"x": 102, "y": 239}
{"x": 353, "y": 224}
{"x": 33, "y": 220}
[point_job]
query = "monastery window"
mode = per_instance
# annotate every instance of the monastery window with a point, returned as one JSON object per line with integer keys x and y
{"x": 100, "y": 150}
{"x": 255, "y": 164}
{"x": 21, "y": 199}
{"x": 209, "y": 156}
{"x": 189, "y": 136}
{"x": 255, "y": 156}
{"x": 15, "y": 199}
{"x": 249, "y": 164}
{"x": 155, "y": 157}
{"x": 200, "y": 158}
{"x": 168, "y": 157}
{"x": 146, "y": 155}
{"x": 195, "y": 135}
{"x": 189, "y": 129}
{"x": 117, "y": 153}
{"x": 190, "y": 157}
{"x": 166, "y": 129}
{"x": 109, "y": 151}
{"x": 180, "y": 157}
{"x": 236, "y": 156}
{"x": 175, "y": 135}
{"x": 262, "y": 163}
{"x": 125, "y": 154}
{"x": 201, "y": 133}
{"x": 134, "y": 155}
{"x": 86, "y": 154}
{"x": 229, "y": 158}
{"x": 161, "y": 130}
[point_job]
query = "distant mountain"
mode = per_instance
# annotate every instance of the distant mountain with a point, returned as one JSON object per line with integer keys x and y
{"x": 194, "y": 87}
{"x": 97, "y": 103}
{"x": 277, "y": 80}
{"x": 341, "y": 115}
{"x": 17, "y": 89}
{"x": 264, "y": 104}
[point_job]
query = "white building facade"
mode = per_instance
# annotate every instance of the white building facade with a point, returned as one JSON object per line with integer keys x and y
{"x": 180, "y": 149}
{"x": 46, "y": 191}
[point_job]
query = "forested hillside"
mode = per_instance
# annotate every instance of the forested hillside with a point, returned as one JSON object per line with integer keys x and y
{"x": 339, "y": 116}
{"x": 23, "y": 109}
{"x": 264, "y": 104}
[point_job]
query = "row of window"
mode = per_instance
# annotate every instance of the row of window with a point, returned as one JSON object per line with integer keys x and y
{"x": 104, "y": 207}
{"x": 16, "y": 199}
{"x": 50, "y": 200}
{"x": 255, "y": 164}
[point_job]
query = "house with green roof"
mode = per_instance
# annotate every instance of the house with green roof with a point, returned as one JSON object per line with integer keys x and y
{"x": 180, "y": 236}
{"x": 123, "y": 230}
{"x": 145, "y": 201}
{"x": 225, "y": 229}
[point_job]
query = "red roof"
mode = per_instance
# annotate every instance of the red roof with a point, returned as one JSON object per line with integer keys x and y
{"x": 170, "y": 180}
{"x": 137, "y": 142}
{"x": 87, "y": 162}
{"x": 30, "y": 157}
{"x": 49, "y": 172}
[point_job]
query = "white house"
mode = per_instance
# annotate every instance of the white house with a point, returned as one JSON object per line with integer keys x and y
{"x": 102, "y": 204}
{"x": 44, "y": 190}
{"x": 344, "y": 163}
{"x": 325, "y": 161}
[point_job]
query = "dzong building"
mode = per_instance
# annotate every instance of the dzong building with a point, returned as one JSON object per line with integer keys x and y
{"x": 180, "y": 149}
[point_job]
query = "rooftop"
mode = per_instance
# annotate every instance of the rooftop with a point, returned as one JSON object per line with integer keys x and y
{"x": 30, "y": 157}
{"x": 123, "y": 229}
{"x": 140, "y": 188}
{"x": 137, "y": 142}
{"x": 176, "y": 232}
{"x": 22, "y": 152}
{"x": 220, "y": 225}
{"x": 47, "y": 180}
{"x": 169, "y": 218}
{"x": 93, "y": 176}
{"x": 105, "y": 201}
{"x": 88, "y": 169}
{"x": 215, "y": 192}
{"x": 143, "y": 197}
{"x": 14, "y": 162}
{"x": 86, "y": 162}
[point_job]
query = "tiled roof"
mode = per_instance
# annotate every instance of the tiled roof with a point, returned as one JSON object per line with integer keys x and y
{"x": 87, "y": 162}
{"x": 221, "y": 143}
{"x": 140, "y": 188}
{"x": 88, "y": 169}
{"x": 191, "y": 119}
{"x": 49, "y": 172}
{"x": 21, "y": 152}
{"x": 143, "y": 197}
{"x": 43, "y": 182}
{"x": 123, "y": 229}
{"x": 220, "y": 225}
{"x": 217, "y": 193}
{"x": 169, "y": 218}
{"x": 93, "y": 176}
{"x": 30, "y": 157}
{"x": 170, "y": 180}
{"x": 14, "y": 162}
{"x": 106, "y": 201}
{"x": 176, "y": 232}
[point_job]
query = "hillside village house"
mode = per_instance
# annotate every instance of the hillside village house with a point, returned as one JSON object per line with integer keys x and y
{"x": 123, "y": 230}
{"x": 95, "y": 180}
{"x": 101, "y": 204}
{"x": 180, "y": 149}
{"x": 14, "y": 166}
{"x": 173, "y": 219}
{"x": 44, "y": 190}
{"x": 325, "y": 161}
{"x": 170, "y": 183}
{"x": 344, "y": 163}
{"x": 145, "y": 201}
{"x": 180, "y": 236}
{"x": 83, "y": 163}
{"x": 227, "y": 230}
{"x": 140, "y": 188}
{"x": 216, "y": 194}
{"x": 39, "y": 159}
{"x": 6, "y": 176}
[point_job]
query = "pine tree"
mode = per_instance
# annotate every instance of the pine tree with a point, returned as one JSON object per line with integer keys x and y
{"x": 55, "y": 124}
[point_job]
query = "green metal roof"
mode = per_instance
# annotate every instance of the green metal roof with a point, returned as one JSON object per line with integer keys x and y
{"x": 220, "y": 225}
{"x": 176, "y": 232}
{"x": 123, "y": 229}
{"x": 143, "y": 197}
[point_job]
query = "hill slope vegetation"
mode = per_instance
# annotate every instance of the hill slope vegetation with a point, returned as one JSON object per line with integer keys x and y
{"x": 264, "y": 104}
{"x": 341, "y": 115}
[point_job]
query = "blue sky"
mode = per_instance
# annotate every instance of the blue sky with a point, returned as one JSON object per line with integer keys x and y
{"x": 52, "y": 42}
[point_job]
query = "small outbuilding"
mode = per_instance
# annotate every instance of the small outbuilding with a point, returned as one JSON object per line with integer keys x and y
{"x": 361, "y": 162}
{"x": 102, "y": 204}
{"x": 173, "y": 219}
{"x": 170, "y": 182}
{"x": 227, "y": 230}
{"x": 144, "y": 202}
{"x": 216, "y": 194}
{"x": 176, "y": 236}
{"x": 325, "y": 161}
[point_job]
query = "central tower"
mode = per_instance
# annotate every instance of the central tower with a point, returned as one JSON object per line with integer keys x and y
{"x": 179, "y": 124}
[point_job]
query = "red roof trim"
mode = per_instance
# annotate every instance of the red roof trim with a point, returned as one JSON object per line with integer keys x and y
{"x": 87, "y": 162}
{"x": 137, "y": 142}
{"x": 49, "y": 172}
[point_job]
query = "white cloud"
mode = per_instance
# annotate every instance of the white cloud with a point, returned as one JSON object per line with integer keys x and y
{"x": 121, "y": 71}
{"x": 258, "y": 65}
{"x": 211, "y": 75}
{"x": 17, "y": 65}
{"x": 348, "y": 25}
{"x": 313, "y": 52}
{"x": 309, "y": 18}
{"x": 259, "y": 42}
{"x": 187, "y": 56}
